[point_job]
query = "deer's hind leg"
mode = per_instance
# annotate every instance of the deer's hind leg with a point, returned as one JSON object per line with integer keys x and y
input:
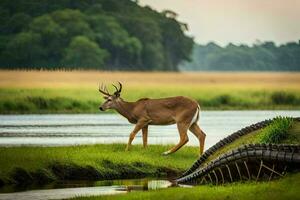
{"x": 182, "y": 128}
{"x": 195, "y": 129}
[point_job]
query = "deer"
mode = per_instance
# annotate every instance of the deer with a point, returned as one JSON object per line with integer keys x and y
{"x": 179, "y": 110}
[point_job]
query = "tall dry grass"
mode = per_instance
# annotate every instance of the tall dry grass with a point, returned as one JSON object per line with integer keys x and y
{"x": 57, "y": 79}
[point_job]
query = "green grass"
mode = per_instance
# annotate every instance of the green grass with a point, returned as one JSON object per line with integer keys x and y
{"x": 81, "y": 162}
{"x": 277, "y": 131}
{"x": 285, "y": 188}
{"x": 293, "y": 134}
{"x": 83, "y": 100}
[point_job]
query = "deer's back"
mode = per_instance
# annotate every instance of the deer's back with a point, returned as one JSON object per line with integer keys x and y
{"x": 167, "y": 110}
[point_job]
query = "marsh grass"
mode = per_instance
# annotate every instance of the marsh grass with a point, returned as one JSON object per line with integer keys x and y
{"x": 61, "y": 100}
{"x": 41, "y": 104}
{"x": 283, "y": 98}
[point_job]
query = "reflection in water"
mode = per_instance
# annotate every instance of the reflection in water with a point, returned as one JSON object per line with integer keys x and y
{"x": 157, "y": 184}
{"x": 82, "y": 188}
{"x": 120, "y": 185}
{"x": 62, "y": 129}
{"x": 147, "y": 185}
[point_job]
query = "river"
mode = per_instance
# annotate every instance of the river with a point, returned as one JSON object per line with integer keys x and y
{"x": 76, "y": 129}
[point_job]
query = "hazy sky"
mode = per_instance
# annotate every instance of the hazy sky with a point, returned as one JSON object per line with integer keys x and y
{"x": 237, "y": 21}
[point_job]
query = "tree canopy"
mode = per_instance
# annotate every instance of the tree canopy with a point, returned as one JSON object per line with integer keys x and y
{"x": 93, "y": 34}
{"x": 263, "y": 56}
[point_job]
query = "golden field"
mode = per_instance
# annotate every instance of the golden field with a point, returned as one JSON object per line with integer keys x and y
{"x": 77, "y": 91}
{"x": 57, "y": 79}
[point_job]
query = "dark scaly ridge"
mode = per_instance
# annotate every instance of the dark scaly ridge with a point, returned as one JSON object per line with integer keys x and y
{"x": 224, "y": 142}
{"x": 227, "y": 140}
{"x": 287, "y": 153}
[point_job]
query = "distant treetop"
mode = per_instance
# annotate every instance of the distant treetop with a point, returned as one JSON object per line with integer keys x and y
{"x": 262, "y": 56}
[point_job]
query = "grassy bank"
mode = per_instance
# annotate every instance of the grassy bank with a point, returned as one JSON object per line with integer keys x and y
{"x": 76, "y": 91}
{"x": 21, "y": 165}
{"x": 285, "y": 188}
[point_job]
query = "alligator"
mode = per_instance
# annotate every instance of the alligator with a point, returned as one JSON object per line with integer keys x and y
{"x": 247, "y": 162}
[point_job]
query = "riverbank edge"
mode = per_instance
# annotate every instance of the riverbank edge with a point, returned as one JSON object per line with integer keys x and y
{"x": 69, "y": 172}
{"x": 42, "y": 165}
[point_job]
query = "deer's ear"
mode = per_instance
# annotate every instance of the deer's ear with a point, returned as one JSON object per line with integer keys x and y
{"x": 105, "y": 97}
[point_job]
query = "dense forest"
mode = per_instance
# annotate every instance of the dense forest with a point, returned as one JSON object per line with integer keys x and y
{"x": 90, "y": 34}
{"x": 262, "y": 56}
{"x": 120, "y": 35}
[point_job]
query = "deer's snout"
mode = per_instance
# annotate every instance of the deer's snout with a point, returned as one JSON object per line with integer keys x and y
{"x": 100, "y": 108}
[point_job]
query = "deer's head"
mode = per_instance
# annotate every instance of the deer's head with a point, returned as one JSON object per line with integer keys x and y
{"x": 110, "y": 99}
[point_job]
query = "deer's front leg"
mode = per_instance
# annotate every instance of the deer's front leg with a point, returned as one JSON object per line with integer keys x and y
{"x": 145, "y": 135}
{"x": 132, "y": 135}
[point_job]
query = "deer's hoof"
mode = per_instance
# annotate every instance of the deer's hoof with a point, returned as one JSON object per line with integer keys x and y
{"x": 166, "y": 153}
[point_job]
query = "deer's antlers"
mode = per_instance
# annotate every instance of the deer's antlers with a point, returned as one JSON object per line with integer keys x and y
{"x": 104, "y": 90}
{"x": 118, "y": 91}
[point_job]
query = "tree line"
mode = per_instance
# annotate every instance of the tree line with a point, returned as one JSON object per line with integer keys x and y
{"x": 262, "y": 56}
{"x": 90, "y": 34}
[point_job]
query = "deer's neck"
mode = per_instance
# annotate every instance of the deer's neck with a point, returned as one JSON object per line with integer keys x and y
{"x": 125, "y": 109}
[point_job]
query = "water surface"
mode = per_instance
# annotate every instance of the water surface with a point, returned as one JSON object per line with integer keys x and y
{"x": 73, "y": 129}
